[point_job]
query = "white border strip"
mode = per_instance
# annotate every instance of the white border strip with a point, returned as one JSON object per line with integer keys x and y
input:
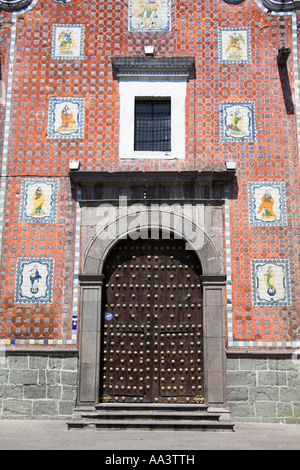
{"x": 7, "y": 124}
{"x": 228, "y": 268}
{"x": 76, "y": 269}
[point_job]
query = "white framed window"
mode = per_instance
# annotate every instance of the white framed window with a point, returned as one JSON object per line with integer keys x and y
{"x": 152, "y": 124}
{"x": 161, "y": 80}
{"x": 132, "y": 91}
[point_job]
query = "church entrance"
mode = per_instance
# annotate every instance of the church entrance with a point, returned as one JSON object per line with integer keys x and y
{"x": 151, "y": 336}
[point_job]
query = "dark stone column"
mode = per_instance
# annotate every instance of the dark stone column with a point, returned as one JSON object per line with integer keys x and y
{"x": 89, "y": 339}
{"x": 214, "y": 339}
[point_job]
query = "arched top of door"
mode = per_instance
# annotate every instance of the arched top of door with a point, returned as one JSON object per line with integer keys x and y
{"x": 211, "y": 260}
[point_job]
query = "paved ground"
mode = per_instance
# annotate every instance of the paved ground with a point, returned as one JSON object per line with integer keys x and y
{"x": 54, "y": 435}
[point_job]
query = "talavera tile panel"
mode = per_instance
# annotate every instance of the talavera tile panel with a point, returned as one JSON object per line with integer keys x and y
{"x": 267, "y": 203}
{"x": 67, "y": 41}
{"x": 34, "y": 280}
{"x": 38, "y": 200}
{"x": 234, "y": 45}
{"x": 237, "y": 121}
{"x": 149, "y": 15}
{"x": 66, "y": 118}
{"x": 271, "y": 282}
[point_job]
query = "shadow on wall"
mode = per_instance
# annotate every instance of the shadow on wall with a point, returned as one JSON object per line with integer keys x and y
{"x": 283, "y": 55}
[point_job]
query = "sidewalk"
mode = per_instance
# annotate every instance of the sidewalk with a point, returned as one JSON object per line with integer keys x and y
{"x": 54, "y": 435}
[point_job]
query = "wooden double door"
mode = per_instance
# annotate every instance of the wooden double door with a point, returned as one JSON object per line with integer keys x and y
{"x": 152, "y": 323}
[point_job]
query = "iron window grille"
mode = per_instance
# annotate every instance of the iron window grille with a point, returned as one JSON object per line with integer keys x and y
{"x": 152, "y": 130}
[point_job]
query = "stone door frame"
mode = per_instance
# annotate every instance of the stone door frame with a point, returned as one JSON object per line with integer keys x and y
{"x": 203, "y": 189}
{"x": 213, "y": 284}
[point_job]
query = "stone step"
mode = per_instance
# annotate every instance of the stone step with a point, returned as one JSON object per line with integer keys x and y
{"x": 162, "y": 407}
{"x": 149, "y": 416}
{"x": 187, "y": 425}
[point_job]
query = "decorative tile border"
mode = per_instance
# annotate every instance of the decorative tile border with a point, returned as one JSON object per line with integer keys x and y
{"x": 29, "y": 7}
{"x": 265, "y": 344}
{"x": 68, "y": 41}
{"x": 271, "y": 282}
{"x": 228, "y": 267}
{"x": 296, "y": 72}
{"x": 237, "y": 121}
{"x": 271, "y": 12}
{"x": 38, "y": 200}
{"x": 152, "y": 15}
{"x": 234, "y": 45}
{"x": 267, "y": 203}
{"x": 34, "y": 281}
{"x": 66, "y": 118}
{"x": 76, "y": 270}
{"x": 7, "y": 122}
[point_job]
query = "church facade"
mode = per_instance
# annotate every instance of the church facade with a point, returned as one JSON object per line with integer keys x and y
{"x": 150, "y": 206}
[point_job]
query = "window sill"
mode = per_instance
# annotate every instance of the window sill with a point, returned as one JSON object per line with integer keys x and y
{"x": 151, "y": 156}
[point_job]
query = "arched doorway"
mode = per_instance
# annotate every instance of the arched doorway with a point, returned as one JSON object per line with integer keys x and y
{"x": 152, "y": 345}
{"x": 91, "y": 325}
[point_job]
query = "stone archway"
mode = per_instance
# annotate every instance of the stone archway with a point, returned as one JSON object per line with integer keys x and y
{"x": 213, "y": 285}
{"x": 180, "y": 225}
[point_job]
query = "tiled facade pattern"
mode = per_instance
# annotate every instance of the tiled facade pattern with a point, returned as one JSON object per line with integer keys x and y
{"x": 63, "y": 104}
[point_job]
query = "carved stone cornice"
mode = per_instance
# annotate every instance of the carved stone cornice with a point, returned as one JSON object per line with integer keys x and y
{"x": 152, "y": 187}
{"x": 132, "y": 178}
{"x": 134, "y": 66}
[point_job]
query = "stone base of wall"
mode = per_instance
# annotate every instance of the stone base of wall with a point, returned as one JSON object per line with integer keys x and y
{"x": 263, "y": 388}
{"x": 260, "y": 388}
{"x": 38, "y": 386}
